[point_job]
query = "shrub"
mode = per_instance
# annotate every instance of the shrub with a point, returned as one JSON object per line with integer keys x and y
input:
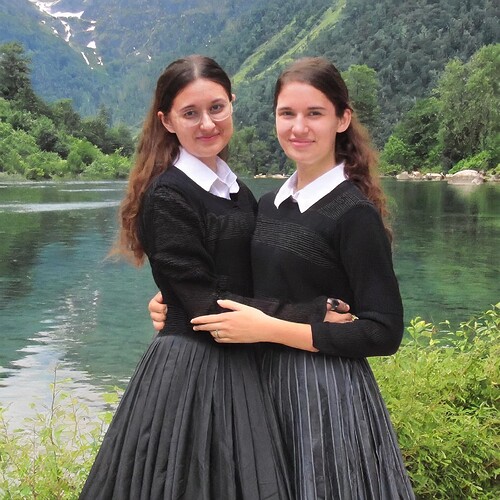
{"x": 113, "y": 166}
{"x": 441, "y": 389}
{"x": 480, "y": 161}
{"x": 50, "y": 457}
{"x": 44, "y": 165}
{"x": 82, "y": 153}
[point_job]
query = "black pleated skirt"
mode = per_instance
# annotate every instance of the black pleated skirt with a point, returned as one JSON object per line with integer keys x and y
{"x": 336, "y": 427}
{"x": 194, "y": 423}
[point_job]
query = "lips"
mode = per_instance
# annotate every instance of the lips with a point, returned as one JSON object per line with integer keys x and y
{"x": 301, "y": 142}
{"x": 208, "y": 138}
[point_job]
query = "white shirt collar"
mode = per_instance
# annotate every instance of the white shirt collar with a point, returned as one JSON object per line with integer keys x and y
{"x": 314, "y": 191}
{"x": 222, "y": 183}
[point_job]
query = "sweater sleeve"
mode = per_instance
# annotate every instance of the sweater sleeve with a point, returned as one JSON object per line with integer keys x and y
{"x": 366, "y": 256}
{"x": 174, "y": 232}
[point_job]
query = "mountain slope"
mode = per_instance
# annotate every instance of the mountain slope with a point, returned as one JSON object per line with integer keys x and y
{"x": 407, "y": 43}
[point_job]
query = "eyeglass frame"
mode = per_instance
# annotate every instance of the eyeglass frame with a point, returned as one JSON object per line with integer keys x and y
{"x": 187, "y": 122}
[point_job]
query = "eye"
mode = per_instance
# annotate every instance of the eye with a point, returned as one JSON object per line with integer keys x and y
{"x": 315, "y": 113}
{"x": 217, "y": 108}
{"x": 285, "y": 113}
{"x": 190, "y": 114}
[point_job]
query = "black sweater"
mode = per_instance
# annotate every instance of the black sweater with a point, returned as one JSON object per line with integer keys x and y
{"x": 337, "y": 248}
{"x": 198, "y": 245}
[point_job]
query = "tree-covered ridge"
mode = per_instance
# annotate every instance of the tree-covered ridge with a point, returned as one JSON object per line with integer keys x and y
{"x": 42, "y": 141}
{"x": 458, "y": 126}
{"x": 296, "y": 36}
{"x": 407, "y": 43}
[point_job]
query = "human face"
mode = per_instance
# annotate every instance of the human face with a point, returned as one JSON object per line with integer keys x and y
{"x": 306, "y": 125}
{"x": 208, "y": 138}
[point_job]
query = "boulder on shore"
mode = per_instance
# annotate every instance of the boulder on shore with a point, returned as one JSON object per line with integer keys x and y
{"x": 466, "y": 177}
{"x": 403, "y": 176}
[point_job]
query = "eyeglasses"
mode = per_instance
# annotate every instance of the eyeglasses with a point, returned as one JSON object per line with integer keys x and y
{"x": 217, "y": 113}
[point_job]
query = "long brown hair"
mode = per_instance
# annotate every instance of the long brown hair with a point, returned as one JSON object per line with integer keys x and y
{"x": 157, "y": 148}
{"x": 353, "y": 146}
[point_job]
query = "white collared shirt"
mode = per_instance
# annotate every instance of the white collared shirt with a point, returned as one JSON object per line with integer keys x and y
{"x": 314, "y": 191}
{"x": 221, "y": 184}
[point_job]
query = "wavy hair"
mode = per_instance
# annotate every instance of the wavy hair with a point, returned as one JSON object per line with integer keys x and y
{"x": 353, "y": 146}
{"x": 157, "y": 148}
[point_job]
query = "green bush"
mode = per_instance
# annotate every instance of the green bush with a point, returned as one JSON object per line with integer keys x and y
{"x": 50, "y": 457}
{"x": 441, "y": 389}
{"x": 44, "y": 165}
{"x": 82, "y": 153}
{"x": 113, "y": 166}
{"x": 480, "y": 161}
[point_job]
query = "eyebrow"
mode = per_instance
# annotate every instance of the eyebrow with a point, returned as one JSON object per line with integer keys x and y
{"x": 215, "y": 101}
{"x": 310, "y": 108}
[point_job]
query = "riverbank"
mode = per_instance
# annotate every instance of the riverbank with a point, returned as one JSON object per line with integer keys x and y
{"x": 466, "y": 177}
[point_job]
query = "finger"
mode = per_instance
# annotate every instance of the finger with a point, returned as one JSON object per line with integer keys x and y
{"x": 158, "y": 325}
{"x": 339, "y": 306}
{"x": 217, "y": 335}
{"x": 335, "y": 317}
{"x": 158, "y": 316}
{"x": 207, "y": 327}
{"x": 230, "y": 304}
{"x": 156, "y": 307}
{"x": 209, "y": 318}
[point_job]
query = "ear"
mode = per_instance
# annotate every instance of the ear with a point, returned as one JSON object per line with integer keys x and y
{"x": 345, "y": 121}
{"x": 233, "y": 97}
{"x": 166, "y": 122}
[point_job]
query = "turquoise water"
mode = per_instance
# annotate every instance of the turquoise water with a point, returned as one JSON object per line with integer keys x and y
{"x": 62, "y": 303}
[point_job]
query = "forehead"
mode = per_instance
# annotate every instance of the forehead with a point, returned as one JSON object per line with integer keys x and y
{"x": 199, "y": 92}
{"x": 293, "y": 94}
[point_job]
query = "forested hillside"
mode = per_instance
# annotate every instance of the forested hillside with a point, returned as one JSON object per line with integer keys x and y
{"x": 393, "y": 53}
{"x": 407, "y": 43}
{"x": 58, "y": 70}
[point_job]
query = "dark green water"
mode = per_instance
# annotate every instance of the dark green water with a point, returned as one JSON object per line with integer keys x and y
{"x": 63, "y": 304}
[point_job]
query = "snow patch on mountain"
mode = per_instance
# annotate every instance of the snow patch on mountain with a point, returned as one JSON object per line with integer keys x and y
{"x": 75, "y": 29}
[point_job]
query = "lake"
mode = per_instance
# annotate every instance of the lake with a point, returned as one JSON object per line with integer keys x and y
{"x": 64, "y": 305}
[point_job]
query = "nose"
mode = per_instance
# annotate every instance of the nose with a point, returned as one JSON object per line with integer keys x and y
{"x": 205, "y": 121}
{"x": 299, "y": 125}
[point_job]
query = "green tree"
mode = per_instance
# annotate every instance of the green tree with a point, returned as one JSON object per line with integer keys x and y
{"x": 470, "y": 106}
{"x": 14, "y": 70}
{"x": 397, "y": 156}
{"x": 120, "y": 139}
{"x": 414, "y": 144}
{"x": 66, "y": 117}
{"x": 82, "y": 154}
{"x": 363, "y": 86}
{"x": 15, "y": 83}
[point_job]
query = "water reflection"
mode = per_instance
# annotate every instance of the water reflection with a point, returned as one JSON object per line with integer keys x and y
{"x": 62, "y": 303}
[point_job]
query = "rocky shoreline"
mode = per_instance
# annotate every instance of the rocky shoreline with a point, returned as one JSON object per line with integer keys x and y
{"x": 467, "y": 177}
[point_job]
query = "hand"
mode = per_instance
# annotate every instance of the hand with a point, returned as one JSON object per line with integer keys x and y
{"x": 337, "y": 311}
{"x": 337, "y": 305}
{"x": 157, "y": 311}
{"x": 242, "y": 324}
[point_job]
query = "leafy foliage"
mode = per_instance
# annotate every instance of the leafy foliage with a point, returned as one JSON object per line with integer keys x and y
{"x": 40, "y": 141}
{"x": 51, "y": 455}
{"x": 459, "y": 124}
{"x": 441, "y": 389}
